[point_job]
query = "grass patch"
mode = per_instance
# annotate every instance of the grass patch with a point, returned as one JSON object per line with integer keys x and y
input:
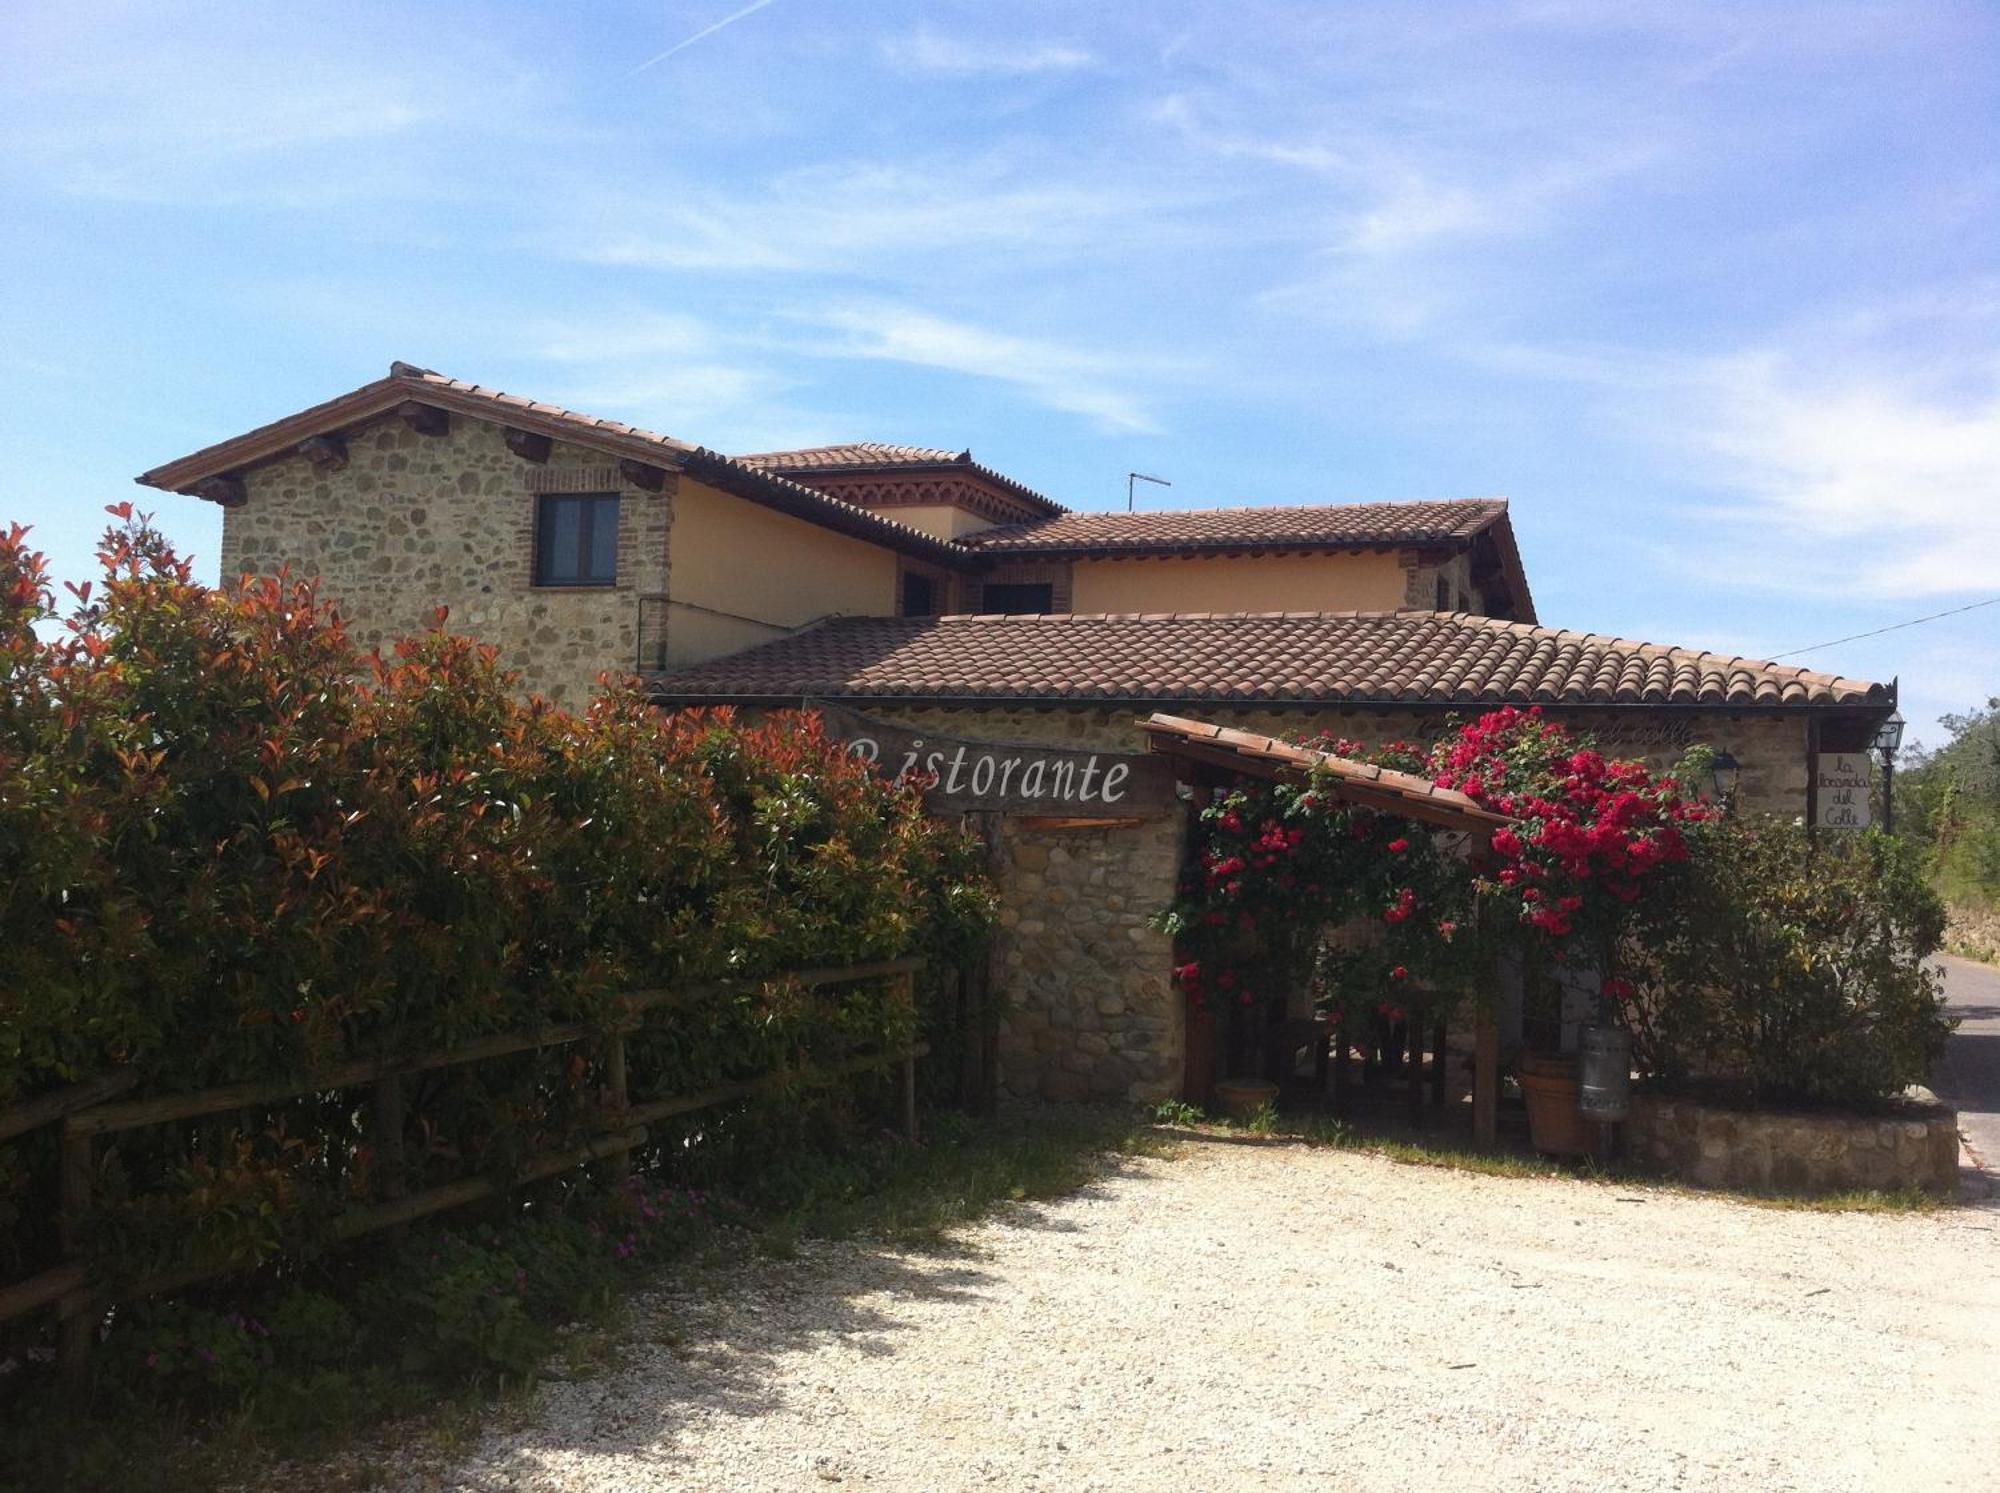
{"x": 962, "y": 1170}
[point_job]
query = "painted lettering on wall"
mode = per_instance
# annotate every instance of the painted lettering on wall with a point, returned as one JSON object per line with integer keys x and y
{"x": 1011, "y": 777}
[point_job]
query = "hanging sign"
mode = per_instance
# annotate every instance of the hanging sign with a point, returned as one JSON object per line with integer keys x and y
{"x": 1006, "y": 776}
{"x": 1840, "y": 788}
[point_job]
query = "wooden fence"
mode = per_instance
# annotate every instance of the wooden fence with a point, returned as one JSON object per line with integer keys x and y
{"x": 92, "y": 1109}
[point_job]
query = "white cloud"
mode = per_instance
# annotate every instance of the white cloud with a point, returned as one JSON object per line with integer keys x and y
{"x": 927, "y": 51}
{"x": 1869, "y": 487}
{"x": 1060, "y": 377}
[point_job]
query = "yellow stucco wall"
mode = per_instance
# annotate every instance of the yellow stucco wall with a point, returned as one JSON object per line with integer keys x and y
{"x": 1249, "y": 583}
{"x": 939, "y": 520}
{"x": 740, "y": 573}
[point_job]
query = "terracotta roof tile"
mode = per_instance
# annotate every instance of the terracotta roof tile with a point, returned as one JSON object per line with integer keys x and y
{"x": 1331, "y": 658}
{"x": 1361, "y": 782}
{"x": 1324, "y": 526}
{"x": 854, "y": 454}
{"x": 857, "y": 458}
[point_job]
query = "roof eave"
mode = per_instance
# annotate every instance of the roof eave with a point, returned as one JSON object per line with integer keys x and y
{"x": 1182, "y": 549}
{"x": 280, "y": 439}
{"x": 1156, "y": 702}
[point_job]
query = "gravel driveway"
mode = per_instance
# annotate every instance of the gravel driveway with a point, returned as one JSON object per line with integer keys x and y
{"x": 1272, "y": 1317}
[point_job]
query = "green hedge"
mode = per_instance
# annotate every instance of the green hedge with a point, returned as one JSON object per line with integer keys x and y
{"x": 234, "y": 847}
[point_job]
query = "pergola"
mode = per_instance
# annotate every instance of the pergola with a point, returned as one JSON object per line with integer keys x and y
{"x": 1221, "y": 754}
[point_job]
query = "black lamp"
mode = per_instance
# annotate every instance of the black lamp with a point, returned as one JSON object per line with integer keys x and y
{"x": 1888, "y": 741}
{"x": 1889, "y": 736}
{"x": 1725, "y": 770}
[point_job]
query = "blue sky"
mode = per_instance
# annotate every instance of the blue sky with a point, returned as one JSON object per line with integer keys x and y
{"x": 1710, "y": 292}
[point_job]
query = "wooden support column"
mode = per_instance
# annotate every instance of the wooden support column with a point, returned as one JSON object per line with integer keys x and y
{"x": 78, "y": 1330}
{"x": 1414, "y": 1077}
{"x": 1343, "y": 1064}
{"x": 1439, "y": 1075}
{"x": 1486, "y": 1078}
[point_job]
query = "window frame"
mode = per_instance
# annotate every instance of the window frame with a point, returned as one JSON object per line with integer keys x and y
{"x": 932, "y": 587}
{"x": 592, "y": 507}
{"x": 1047, "y": 588}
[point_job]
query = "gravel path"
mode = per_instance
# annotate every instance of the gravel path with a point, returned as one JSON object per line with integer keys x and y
{"x": 1272, "y": 1317}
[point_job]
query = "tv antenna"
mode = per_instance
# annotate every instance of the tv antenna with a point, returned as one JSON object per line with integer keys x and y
{"x": 1132, "y": 477}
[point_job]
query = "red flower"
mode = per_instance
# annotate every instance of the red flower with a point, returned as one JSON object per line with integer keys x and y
{"x": 1398, "y": 845}
{"x": 1399, "y": 973}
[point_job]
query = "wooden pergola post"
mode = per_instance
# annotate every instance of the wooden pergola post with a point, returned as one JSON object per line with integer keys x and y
{"x": 1485, "y": 1078}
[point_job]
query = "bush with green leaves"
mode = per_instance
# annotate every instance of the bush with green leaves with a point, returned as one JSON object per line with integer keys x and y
{"x": 1790, "y": 971}
{"x": 233, "y": 847}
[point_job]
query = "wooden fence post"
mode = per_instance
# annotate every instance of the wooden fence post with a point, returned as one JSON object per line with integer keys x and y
{"x": 391, "y": 1179}
{"x": 906, "y": 990}
{"x": 78, "y": 1314}
{"x": 619, "y": 1163}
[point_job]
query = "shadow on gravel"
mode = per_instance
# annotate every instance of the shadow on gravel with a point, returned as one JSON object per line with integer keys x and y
{"x": 712, "y": 1349}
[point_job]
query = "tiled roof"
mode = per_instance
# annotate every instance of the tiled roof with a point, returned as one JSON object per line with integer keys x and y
{"x": 853, "y": 454}
{"x": 858, "y": 458}
{"x": 1296, "y": 658}
{"x": 407, "y": 382}
{"x": 1260, "y": 756}
{"x": 1182, "y": 531}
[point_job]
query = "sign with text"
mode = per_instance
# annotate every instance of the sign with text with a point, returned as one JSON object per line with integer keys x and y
{"x": 1006, "y": 776}
{"x": 1840, "y": 788}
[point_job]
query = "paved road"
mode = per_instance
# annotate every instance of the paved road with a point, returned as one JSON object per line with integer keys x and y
{"x": 1969, "y": 1074}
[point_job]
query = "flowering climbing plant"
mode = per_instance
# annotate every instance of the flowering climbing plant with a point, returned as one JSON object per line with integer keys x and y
{"x": 1289, "y": 885}
{"x": 1590, "y": 835}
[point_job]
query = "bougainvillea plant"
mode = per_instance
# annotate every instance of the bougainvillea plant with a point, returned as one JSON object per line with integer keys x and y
{"x": 1288, "y": 884}
{"x": 1590, "y": 835}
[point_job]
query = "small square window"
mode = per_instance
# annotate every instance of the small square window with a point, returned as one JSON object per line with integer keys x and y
{"x": 1019, "y": 598}
{"x": 576, "y": 539}
{"x": 919, "y": 595}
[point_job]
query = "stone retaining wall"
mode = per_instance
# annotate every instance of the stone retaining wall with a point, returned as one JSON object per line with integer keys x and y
{"x": 1710, "y": 1146}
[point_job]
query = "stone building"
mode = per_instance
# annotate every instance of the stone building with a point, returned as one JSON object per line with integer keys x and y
{"x": 942, "y": 597}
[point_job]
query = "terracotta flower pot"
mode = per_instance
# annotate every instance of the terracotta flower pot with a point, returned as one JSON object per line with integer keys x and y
{"x": 1240, "y": 1098}
{"x": 1556, "y": 1125}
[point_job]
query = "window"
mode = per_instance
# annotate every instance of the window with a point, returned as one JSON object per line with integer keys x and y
{"x": 919, "y": 595}
{"x": 1018, "y": 597}
{"x": 576, "y": 539}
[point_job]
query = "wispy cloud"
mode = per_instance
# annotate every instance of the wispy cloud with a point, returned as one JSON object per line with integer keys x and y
{"x": 928, "y": 51}
{"x": 845, "y": 216}
{"x": 1052, "y": 374}
{"x": 702, "y": 35}
{"x": 141, "y": 108}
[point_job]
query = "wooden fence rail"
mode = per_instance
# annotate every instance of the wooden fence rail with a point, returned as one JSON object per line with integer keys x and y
{"x": 90, "y": 1109}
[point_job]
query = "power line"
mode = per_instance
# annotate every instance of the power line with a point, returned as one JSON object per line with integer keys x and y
{"x": 1892, "y": 627}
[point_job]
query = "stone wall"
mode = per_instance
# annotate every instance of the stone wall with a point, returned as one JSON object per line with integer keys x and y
{"x": 1092, "y": 1013}
{"x": 1710, "y": 1146}
{"x": 1091, "y": 1009}
{"x": 413, "y": 522}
